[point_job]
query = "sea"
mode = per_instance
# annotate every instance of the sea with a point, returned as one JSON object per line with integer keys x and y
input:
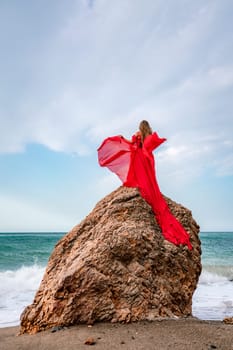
{"x": 24, "y": 256}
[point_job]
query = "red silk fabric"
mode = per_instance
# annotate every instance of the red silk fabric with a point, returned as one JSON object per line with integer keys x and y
{"x": 134, "y": 164}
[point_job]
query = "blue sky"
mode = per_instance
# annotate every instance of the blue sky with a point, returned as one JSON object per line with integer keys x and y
{"x": 75, "y": 72}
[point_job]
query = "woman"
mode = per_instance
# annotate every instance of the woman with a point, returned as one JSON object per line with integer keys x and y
{"x": 133, "y": 162}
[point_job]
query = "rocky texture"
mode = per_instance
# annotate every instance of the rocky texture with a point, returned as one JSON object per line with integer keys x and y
{"x": 116, "y": 266}
{"x": 228, "y": 320}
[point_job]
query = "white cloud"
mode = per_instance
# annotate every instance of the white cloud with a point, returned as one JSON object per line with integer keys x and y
{"x": 111, "y": 64}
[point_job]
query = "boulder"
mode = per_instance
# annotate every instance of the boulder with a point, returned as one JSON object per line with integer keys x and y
{"x": 116, "y": 266}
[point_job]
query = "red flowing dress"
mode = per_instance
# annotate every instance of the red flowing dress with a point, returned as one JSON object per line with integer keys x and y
{"x": 134, "y": 164}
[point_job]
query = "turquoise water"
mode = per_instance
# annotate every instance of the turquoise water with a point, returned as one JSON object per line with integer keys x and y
{"x": 18, "y": 249}
{"x": 23, "y": 257}
{"x": 217, "y": 253}
{"x": 217, "y": 248}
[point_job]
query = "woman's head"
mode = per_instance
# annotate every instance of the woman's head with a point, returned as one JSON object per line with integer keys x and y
{"x": 145, "y": 129}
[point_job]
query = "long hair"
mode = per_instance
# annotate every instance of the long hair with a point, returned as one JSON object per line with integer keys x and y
{"x": 145, "y": 129}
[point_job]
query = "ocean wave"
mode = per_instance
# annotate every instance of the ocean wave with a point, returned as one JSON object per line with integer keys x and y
{"x": 215, "y": 274}
{"x": 17, "y": 291}
{"x": 25, "y": 278}
{"x": 213, "y": 298}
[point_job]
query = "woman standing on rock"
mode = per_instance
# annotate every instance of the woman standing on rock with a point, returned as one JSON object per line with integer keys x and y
{"x": 133, "y": 161}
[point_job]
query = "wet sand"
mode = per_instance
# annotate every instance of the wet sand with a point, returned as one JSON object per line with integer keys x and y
{"x": 182, "y": 334}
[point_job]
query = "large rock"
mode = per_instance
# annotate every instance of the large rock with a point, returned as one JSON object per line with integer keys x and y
{"x": 116, "y": 266}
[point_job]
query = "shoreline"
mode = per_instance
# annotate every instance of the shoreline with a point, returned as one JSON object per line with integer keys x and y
{"x": 182, "y": 334}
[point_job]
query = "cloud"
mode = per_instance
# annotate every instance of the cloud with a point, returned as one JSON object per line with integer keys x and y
{"x": 107, "y": 65}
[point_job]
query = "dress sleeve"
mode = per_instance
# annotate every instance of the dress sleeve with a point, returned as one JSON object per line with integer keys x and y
{"x": 114, "y": 153}
{"x": 153, "y": 141}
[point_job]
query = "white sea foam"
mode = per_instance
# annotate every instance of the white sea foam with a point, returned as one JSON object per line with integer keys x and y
{"x": 218, "y": 271}
{"x": 17, "y": 290}
{"x": 209, "y": 278}
{"x": 213, "y": 298}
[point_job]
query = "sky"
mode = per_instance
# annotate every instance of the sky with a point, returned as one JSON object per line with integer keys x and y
{"x": 75, "y": 72}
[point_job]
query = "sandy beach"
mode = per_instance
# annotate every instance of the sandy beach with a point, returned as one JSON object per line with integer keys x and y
{"x": 182, "y": 334}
